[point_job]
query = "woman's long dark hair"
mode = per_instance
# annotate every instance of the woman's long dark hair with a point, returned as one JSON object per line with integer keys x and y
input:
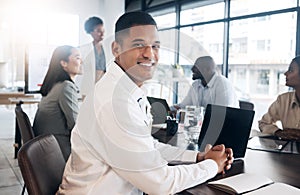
{"x": 55, "y": 72}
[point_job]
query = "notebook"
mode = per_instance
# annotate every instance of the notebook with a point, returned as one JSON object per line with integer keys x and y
{"x": 228, "y": 126}
{"x": 159, "y": 109}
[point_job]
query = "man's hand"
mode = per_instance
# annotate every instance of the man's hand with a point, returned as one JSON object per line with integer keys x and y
{"x": 230, "y": 158}
{"x": 229, "y": 153}
{"x": 288, "y": 134}
{"x": 200, "y": 155}
{"x": 223, "y": 156}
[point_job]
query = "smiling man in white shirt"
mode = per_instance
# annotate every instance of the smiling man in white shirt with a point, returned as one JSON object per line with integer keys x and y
{"x": 113, "y": 151}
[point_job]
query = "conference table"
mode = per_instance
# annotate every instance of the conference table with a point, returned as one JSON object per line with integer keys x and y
{"x": 280, "y": 167}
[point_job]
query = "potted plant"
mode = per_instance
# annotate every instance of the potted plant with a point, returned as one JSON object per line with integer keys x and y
{"x": 177, "y": 70}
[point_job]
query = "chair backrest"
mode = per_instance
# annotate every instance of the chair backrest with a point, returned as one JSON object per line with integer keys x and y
{"x": 42, "y": 164}
{"x": 24, "y": 124}
{"x": 159, "y": 109}
{"x": 246, "y": 105}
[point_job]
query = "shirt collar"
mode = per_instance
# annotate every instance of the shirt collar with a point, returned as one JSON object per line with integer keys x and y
{"x": 294, "y": 101}
{"x": 210, "y": 83}
{"x": 126, "y": 82}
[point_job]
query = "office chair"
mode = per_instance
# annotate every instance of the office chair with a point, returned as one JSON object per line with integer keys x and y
{"x": 24, "y": 124}
{"x": 42, "y": 164}
{"x": 246, "y": 105}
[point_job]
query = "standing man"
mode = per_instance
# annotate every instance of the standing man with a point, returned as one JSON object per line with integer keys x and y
{"x": 209, "y": 87}
{"x": 94, "y": 62}
{"x": 113, "y": 151}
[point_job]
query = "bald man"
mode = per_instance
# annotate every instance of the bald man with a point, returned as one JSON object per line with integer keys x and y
{"x": 209, "y": 87}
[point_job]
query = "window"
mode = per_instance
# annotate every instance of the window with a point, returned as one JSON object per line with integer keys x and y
{"x": 34, "y": 36}
{"x": 165, "y": 19}
{"x": 267, "y": 53}
{"x": 260, "y": 45}
{"x": 203, "y": 40}
{"x": 263, "y": 45}
{"x": 191, "y": 13}
{"x": 239, "y": 45}
{"x": 57, "y": 29}
{"x": 245, "y": 7}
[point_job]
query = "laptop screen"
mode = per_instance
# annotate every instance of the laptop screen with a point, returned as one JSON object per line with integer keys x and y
{"x": 159, "y": 109}
{"x": 228, "y": 126}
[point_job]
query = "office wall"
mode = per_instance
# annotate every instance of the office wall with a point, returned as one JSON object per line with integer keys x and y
{"x": 12, "y": 44}
{"x": 111, "y": 10}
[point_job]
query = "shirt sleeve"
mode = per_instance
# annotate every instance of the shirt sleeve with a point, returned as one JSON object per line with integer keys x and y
{"x": 171, "y": 179}
{"x": 171, "y": 153}
{"x": 68, "y": 103}
{"x": 267, "y": 123}
{"x": 188, "y": 98}
{"x": 225, "y": 94}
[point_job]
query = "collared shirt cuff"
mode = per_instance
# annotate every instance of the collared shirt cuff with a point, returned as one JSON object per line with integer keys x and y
{"x": 189, "y": 156}
{"x": 209, "y": 165}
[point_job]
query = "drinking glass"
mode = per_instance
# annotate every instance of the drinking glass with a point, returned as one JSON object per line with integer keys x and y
{"x": 194, "y": 127}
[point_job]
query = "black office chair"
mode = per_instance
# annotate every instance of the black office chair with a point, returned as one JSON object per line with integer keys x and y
{"x": 24, "y": 124}
{"x": 246, "y": 105}
{"x": 42, "y": 165}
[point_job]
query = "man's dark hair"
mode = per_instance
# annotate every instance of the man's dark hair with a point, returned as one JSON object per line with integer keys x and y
{"x": 91, "y": 23}
{"x": 131, "y": 19}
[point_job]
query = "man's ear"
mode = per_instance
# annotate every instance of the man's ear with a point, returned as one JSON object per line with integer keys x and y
{"x": 116, "y": 48}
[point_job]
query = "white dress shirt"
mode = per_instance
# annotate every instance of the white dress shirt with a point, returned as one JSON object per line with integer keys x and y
{"x": 113, "y": 151}
{"x": 218, "y": 91}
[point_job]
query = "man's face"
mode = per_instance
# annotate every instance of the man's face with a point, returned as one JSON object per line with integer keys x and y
{"x": 197, "y": 73}
{"x": 138, "y": 53}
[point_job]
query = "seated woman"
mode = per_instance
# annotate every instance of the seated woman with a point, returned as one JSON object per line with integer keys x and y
{"x": 58, "y": 108}
{"x": 286, "y": 108}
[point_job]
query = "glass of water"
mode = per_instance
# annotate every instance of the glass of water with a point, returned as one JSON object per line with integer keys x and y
{"x": 193, "y": 126}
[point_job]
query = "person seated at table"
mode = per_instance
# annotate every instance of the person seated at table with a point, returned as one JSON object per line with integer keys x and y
{"x": 113, "y": 151}
{"x": 58, "y": 109}
{"x": 209, "y": 87}
{"x": 286, "y": 108}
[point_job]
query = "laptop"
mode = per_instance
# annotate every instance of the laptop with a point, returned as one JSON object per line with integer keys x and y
{"x": 228, "y": 126}
{"x": 159, "y": 110}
